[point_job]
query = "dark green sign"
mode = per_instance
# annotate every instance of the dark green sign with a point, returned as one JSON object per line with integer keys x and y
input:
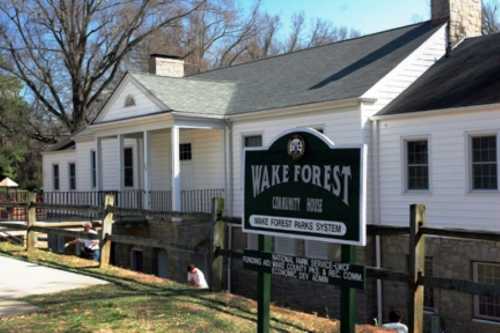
{"x": 303, "y": 186}
{"x": 306, "y": 269}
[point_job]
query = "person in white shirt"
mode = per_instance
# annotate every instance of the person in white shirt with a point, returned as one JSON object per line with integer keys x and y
{"x": 196, "y": 278}
{"x": 395, "y": 323}
{"x": 90, "y": 246}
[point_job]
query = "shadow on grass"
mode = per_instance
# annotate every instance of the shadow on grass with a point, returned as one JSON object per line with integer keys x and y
{"x": 134, "y": 288}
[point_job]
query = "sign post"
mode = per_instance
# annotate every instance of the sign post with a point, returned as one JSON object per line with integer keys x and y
{"x": 348, "y": 310}
{"x": 303, "y": 186}
{"x": 264, "y": 289}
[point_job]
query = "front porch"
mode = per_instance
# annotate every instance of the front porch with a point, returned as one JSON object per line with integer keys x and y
{"x": 168, "y": 164}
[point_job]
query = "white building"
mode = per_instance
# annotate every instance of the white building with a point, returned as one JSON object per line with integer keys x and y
{"x": 424, "y": 100}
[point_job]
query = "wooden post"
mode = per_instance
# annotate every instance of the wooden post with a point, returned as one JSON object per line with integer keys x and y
{"x": 176, "y": 169}
{"x": 348, "y": 295}
{"x": 264, "y": 290}
{"x": 218, "y": 242}
{"x": 107, "y": 227}
{"x": 30, "y": 222}
{"x": 416, "y": 270}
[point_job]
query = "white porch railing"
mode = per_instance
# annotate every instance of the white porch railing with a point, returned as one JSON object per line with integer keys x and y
{"x": 192, "y": 201}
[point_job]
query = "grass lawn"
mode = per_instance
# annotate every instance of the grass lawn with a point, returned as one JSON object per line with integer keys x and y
{"x": 135, "y": 302}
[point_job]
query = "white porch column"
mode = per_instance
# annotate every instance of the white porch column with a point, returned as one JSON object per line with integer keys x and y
{"x": 176, "y": 169}
{"x": 146, "y": 152}
{"x": 121, "y": 141}
{"x": 99, "y": 170}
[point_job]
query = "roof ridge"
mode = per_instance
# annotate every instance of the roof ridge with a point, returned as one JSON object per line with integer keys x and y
{"x": 184, "y": 78}
{"x": 312, "y": 48}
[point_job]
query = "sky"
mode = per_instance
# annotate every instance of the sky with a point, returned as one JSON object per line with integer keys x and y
{"x": 366, "y": 16}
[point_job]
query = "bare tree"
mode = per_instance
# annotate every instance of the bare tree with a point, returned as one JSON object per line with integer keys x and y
{"x": 215, "y": 35}
{"x": 223, "y": 34}
{"x": 294, "y": 39}
{"x": 321, "y": 32}
{"x": 66, "y": 52}
{"x": 236, "y": 43}
{"x": 265, "y": 43}
{"x": 491, "y": 22}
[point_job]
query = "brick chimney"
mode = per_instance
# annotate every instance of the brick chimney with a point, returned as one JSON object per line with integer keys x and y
{"x": 465, "y": 18}
{"x": 166, "y": 65}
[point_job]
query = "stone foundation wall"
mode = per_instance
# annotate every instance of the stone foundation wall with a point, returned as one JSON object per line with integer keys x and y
{"x": 451, "y": 258}
{"x": 193, "y": 237}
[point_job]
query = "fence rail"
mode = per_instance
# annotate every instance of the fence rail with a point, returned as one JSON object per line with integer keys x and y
{"x": 105, "y": 235}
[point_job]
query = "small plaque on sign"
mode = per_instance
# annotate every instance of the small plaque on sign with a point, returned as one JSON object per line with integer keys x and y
{"x": 306, "y": 269}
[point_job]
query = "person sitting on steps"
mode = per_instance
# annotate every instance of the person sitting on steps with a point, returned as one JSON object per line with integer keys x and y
{"x": 395, "y": 323}
{"x": 90, "y": 246}
{"x": 196, "y": 278}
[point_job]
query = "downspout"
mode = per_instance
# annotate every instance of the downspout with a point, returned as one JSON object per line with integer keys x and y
{"x": 377, "y": 215}
{"x": 228, "y": 190}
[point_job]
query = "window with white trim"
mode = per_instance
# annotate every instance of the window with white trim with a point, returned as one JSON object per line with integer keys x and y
{"x": 72, "y": 176}
{"x": 252, "y": 141}
{"x": 248, "y": 142}
{"x": 185, "y": 152}
{"x": 417, "y": 165}
{"x": 128, "y": 167}
{"x": 484, "y": 164}
{"x": 487, "y": 307}
{"x": 55, "y": 177}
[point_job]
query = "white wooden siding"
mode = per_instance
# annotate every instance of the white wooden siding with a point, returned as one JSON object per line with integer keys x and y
{"x": 84, "y": 166}
{"x": 208, "y": 157}
{"x": 160, "y": 160}
{"x": 449, "y": 202}
{"x": 404, "y": 74}
{"x": 63, "y": 158}
{"x": 115, "y": 108}
{"x": 110, "y": 164}
{"x": 390, "y": 87}
{"x": 206, "y": 169}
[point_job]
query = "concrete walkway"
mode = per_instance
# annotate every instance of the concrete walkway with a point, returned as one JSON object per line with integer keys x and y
{"x": 19, "y": 279}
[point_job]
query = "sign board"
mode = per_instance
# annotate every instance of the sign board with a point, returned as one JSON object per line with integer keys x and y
{"x": 306, "y": 269}
{"x": 303, "y": 186}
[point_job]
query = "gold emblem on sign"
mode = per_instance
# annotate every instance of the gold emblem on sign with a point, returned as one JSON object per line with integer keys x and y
{"x": 296, "y": 147}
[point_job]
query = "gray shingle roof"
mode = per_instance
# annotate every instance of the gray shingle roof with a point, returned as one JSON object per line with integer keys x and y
{"x": 336, "y": 71}
{"x": 188, "y": 94}
{"x": 468, "y": 76}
